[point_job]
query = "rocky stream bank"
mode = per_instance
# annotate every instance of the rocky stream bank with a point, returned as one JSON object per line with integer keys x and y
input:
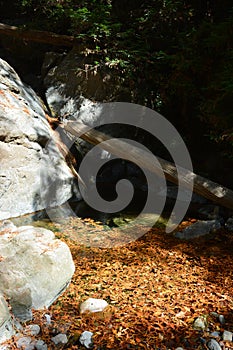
{"x": 160, "y": 291}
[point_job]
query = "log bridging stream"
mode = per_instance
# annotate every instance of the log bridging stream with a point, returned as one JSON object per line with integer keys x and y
{"x": 202, "y": 186}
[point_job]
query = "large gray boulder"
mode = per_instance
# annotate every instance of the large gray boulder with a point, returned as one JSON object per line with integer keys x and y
{"x": 77, "y": 89}
{"x": 80, "y": 74}
{"x": 35, "y": 268}
{"x": 33, "y": 173}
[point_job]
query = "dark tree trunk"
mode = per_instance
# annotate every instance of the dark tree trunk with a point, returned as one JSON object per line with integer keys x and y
{"x": 37, "y": 36}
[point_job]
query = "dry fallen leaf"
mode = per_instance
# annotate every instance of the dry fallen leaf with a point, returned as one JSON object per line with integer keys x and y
{"x": 155, "y": 286}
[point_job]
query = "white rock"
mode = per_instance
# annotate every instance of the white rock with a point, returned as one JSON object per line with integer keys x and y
{"x": 35, "y": 269}
{"x": 227, "y": 336}
{"x": 60, "y": 339}
{"x": 86, "y": 339}
{"x": 93, "y": 305}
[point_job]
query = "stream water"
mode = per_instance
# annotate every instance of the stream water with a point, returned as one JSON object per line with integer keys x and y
{"x": 84, "y": 224}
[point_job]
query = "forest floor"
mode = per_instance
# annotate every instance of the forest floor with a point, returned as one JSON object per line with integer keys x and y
{"x": 156, "y": 287}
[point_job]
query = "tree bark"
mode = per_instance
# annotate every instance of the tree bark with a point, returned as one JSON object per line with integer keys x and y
{"x": 38, "y": 36}
{"x": 202, "y": 186}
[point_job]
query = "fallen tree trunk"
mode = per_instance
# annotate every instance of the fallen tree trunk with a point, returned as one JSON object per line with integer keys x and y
{"x": 37, "y": 36}
{"x": 202, "y": 186}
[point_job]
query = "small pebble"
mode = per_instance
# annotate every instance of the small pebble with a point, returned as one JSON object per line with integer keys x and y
{"x": 227, "y": 336}
{"x": 32, "y": 329}
{"x": 40, "y": 345}
{"x": 86, "y": 339}
{"x": 202, "y": 340}
{"x": 23, "y": 342}
{"x": 93, "y": 305}
{"x": 200, "y": 323}
{"x": 229, "y": 224}
{"x": 221, "y": 319}
{"x": 48, "y": 319}
{"x": 30, "y": 347}
{"x": 213, "y": 345}
{"x": 215, "y": 334}
{"x": 60, "y": 339}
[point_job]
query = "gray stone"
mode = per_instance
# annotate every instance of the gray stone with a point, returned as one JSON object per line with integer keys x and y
{"x": 221, "y": 319}
{"x": 213, "y": 345}
{"x": 33, "y": 173}
{"x": 229, "y": 224}
{"x": 227, "y": 336}
{"x": 198, "y": 229}
{"x": 60, "y": 339}
{"x": 93, "y": 305}
{"x": 21, "y": 302}
{"x": 40, "y": 345}
{"x": 200, "y": 323}
{"x": 86, "y": 339}
{"x": 6, "y": 328}
{"x": 24, "y": 342}
{"x": 215, "y": 334}
{"x": 29, "y": 346}
{"x": 32, "y": 329}
{"x": 35, "y": 268}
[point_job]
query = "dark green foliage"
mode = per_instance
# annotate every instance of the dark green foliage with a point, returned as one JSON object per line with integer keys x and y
{"x": 174, "y": 56}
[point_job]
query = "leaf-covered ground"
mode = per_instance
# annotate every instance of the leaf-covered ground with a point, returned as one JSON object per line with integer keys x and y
{"x": 156, "y": 286}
